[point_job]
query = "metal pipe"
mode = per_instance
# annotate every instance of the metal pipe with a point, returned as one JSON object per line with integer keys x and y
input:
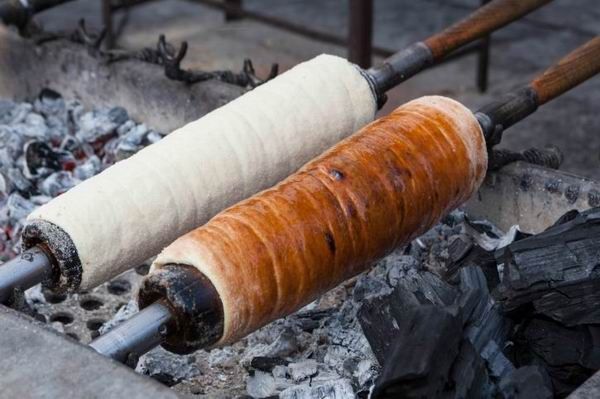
{"x": 483, "y": 59}
{"x": 137, "y": 335}
{"x": 23, "y": 272}
{"x": 360, "y": 32}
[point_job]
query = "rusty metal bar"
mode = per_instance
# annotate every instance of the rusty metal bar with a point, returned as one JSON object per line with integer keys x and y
{"x": 483, "y": 60}
{"x": 107, "y": 21}
{"x": 360, "y": 32}
{"x": 232, "y": 16}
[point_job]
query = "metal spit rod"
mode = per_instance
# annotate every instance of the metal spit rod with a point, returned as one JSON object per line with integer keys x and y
{"x": 137, "y": 335}
{"x": 23, "y": 272}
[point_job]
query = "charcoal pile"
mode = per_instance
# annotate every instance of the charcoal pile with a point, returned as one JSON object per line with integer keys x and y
{"x": 508, "y": 316}
{"x": 49, "y": 146}
{"x": 550, "y": 284}
{"x": 439, "y": 339}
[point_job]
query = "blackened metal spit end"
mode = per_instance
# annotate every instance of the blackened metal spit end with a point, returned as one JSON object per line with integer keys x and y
{"x": 399, "y": 67}
{"x": 198, "y": 318}
{"x": 499, "y": 115}
{"x": 180, "y": 310}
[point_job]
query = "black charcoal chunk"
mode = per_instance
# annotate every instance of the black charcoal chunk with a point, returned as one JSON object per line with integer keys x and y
{"x": 569, "y": 355}
{"x": 422, "y": 353}
{"x": 528, "y": 382}
{"x": 556, "y": 272}
{"x": 267, "y": 364}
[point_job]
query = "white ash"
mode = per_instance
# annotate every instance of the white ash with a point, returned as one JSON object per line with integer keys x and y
{"x": 50, "y": 145}
{"x": 124, "y": 313}
{"x": 168, "y": 369}
{"x": 336, "y": 389}
{"x": 302, "y": 370}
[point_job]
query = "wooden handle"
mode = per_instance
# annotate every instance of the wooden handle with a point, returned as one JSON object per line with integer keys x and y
{"x": 486, "y": 19}
{"x": 575, "y": 68}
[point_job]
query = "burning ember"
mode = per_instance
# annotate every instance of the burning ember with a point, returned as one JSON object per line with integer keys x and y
{"x": 49, "y": 146}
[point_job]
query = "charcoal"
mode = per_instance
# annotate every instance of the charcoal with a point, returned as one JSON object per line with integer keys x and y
{"x": 12, "y": 142}
{"x": 167, "y": 367}
{"x": 58, "y": 183}
{"x": 302, "y": 370}
{"x": 398, "y": 267}
{"x": 570, "y": 355}
{"x": 365, "y": 372}
{"x": 34, "y": 127}
{"x": 497, "y": 363}
{"x": 468, "y": 376}
{"x": 528, "y": 382}
{"x": 133, "y": 139}
{"x": 368, "y": 286}
{"x": 19, "y": 182}
{"x": 98, "y": 125}
{"x": 379, "y": 325}
{"x": 422, "y": 353}
{"x": 484, "y": 321}
{"x": 267, "y": 364}
{"x": 71, "y": 144}
{"x": 6, "y": 111}
{"x": 18, "y": 208}
{"x": 4, "y": 187}
{"x": 261, "y": 385}
{"x": 224, "y": 358}
{"x": 15, "y": 114}
{"x": 57, "y": 128}
{"x": 91, "y": 167}
{"x": 50, "y": 103}
{"x": 125, "y": 127}
{"x": 41, "y": 159}
{"x": 309, "y": 320}
{"x": 428, "y": 288}
{"x": 464, "y": 253}
{"x": 555, "y": 272}
{"x": 333, "y": 389}
{"x": 437, "y": 339}
{"x": 284, "y": 344}
{"x": 378, "y": 317}
{"x": 154, "y": 137}
{"x": 474, "y": 293}
{"x": 34, "y": 295}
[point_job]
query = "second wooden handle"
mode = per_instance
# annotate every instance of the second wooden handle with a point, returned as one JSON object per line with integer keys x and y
{"x": 486, "y": 19}
{"x": 573, "y": 69}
